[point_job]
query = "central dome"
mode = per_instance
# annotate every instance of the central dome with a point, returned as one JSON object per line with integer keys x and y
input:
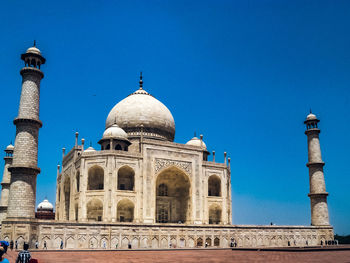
{"x": 141, "y": 111}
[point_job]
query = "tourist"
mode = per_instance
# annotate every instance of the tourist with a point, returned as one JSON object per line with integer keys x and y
{"x": 129, "y": 245}
{"x": 61, "y": 246}
{"x": 11, "y": 244}
{"x": 45, "y": 245}
{"x": 24, "y": 256}
{"x": 36, "y": 244}
{"x": 3, "y": 250}
{"x": 16, "y": 245}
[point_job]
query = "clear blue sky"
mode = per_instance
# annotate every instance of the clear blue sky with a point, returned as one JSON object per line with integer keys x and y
{"x": 243, "y": 73}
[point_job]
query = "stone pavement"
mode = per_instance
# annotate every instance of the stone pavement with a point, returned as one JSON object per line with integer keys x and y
{"x": 193, "y": 255}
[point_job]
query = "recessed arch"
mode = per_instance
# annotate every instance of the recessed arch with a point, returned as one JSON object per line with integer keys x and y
{"x": 95, "y": 178}
{"x": 125, "y": 211}
{"x": 66, "y": 189}
{"x": 77, "y": 178}
{"x": 215, "y": 214}
{"x": 94, "y": 210}
{"x": 214, "y": 185}
{"x": 126, "y": 178}
{"x": 208, "y": 242}
{"x": 173, "y": 206}
{"x": 118, "y": 147}
{"x": 216, "y": 242}
{"x": 199, "y": 242}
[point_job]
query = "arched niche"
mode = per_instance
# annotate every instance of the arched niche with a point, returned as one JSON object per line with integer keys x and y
{"x": 173, "y": 205}
{"x": 214, "y": 214}
{"x": 126, "y": 178}
{"x": 118, "y": 147}
{"x": 66, "y": 189}
{"x": 77, "y": 178}
{"x": 95, "y": 178}
{"x": 199, "y": 242}
{"x": 94, "y": 210}
{"x": 214, "y": 186}
{"x": 125, "y": 211}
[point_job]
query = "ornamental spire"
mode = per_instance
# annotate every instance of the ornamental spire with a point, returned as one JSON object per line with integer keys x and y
{"x": 141, "y": 82}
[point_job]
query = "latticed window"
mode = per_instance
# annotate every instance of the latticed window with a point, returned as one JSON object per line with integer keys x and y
{"x": 162, "y": 215}
{"x": 163, "y": 190}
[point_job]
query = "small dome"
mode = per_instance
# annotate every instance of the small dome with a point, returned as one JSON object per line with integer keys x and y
{"x": 10, "y": 147}
{"x": 311, "y": 117}
{"x": 45, "y": 205}
{"x": 34, "y": 50}
{"x": 196, "y": 142}
{"x": 115, "y": 132}
{"x": 90, "y": 149}
{"x": 141, "y": 111}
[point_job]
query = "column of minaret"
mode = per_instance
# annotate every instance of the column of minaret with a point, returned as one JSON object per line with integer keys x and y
{"x": 318, "y": 194}
{"x": 24, "y": 170}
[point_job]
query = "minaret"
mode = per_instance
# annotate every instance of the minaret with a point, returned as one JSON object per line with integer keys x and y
{"x": 318, "y": 194}
{"x": 25, "y": 156}
{"x": 5, "y": 184}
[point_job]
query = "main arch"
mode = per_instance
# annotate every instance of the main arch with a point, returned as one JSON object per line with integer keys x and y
{"x": 173, "y": 191}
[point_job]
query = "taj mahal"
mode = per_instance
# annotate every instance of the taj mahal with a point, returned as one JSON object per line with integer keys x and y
{"x": 140, "y": 188}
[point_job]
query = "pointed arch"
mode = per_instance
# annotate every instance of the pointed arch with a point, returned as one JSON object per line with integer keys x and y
{"x": 66, "y": 189}
{"x": 94, "y": 210}
{"x": 95, "y": 178}
{"x": 173, "y": 203}
{"x": 126, "y": 178}
{"x": 215, "y": 214}
{"x": 214, "y": 185}
{"x": 125, "y": 211}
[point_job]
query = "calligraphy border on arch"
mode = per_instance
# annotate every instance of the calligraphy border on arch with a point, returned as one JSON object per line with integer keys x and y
{"x": 161, "y": 164}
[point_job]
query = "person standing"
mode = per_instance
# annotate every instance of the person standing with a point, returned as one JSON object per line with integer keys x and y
{"x": 24, "y": 255}
{"x": 11, "y": 244}
{"x": 3, "y": 248}
{"x": 61, "y": 244}
{"x": 36, "y": 244}
{"x": 16, "y": 245}
{"x": 45, "y": 245}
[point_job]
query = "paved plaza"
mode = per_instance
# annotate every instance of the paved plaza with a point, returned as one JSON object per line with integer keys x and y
{"x": 193, "y": 255}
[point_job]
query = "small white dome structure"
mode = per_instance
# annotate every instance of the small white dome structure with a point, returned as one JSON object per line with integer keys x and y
{"x": 115, "y": 132}
{"x": 33, "y": 50}
{"x": 197, "y": 142}
{"x": 45, "y": 206}
{"x": 10, "y": 147}
{"x": 89, "y": 150}
{"x": 311, "y": 117}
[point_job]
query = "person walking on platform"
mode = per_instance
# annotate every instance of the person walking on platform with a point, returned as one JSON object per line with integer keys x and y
{"x": 24, "y": 256}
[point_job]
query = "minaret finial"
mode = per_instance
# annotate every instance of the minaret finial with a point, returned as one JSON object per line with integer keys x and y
{"x": 141, "y": 82}
{"x": 195, "y": 134}
{"x": 310, "y": 110}
{"x": 34, "y": 43}
{"x": 90, "y": 144}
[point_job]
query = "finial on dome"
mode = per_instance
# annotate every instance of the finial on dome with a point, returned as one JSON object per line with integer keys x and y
{"x": 195, "y": 134}
{"x": 34, "y": 45}
{"x": 310, "y": 110}
{"x": 141, "y": 82}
